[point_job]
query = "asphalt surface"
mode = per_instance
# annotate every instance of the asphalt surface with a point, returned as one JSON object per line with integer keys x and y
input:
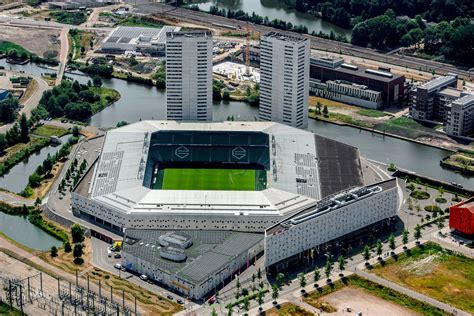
{"x": 316, "y": 42}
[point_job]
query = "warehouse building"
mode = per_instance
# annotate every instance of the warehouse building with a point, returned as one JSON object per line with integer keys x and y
{"x": 143, "y": 40}
{"x": 390, "y": 85}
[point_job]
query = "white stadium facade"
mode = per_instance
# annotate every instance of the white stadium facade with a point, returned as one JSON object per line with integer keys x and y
{"x": 309, "y": 191}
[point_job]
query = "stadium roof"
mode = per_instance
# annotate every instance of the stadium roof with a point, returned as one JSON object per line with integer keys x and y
{"x": 303, "y": 168}
{"x": 211, "y": 251}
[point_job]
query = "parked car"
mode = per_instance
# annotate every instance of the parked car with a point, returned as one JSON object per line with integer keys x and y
{"x": 169, "y": 297}
{"x": 143, "y": 277}
{"x": 180, "y": 302}
{"x": 109, "y": 253}
{"x": 118, "y": 266}
{"x": 117, "y": 256}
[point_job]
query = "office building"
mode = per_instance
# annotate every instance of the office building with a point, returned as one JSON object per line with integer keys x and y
{"x": 390, "y": 85}
{"x": 189, "y": 76}
{"x": 284, "y": 79}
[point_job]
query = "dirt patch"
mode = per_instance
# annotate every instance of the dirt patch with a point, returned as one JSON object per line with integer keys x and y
{"x": 37, "y": 42}
{"x": 360, "y": 301}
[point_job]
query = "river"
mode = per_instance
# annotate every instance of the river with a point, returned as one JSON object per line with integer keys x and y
{"x": 16, "y": 179}
{"x": 276, "y": 9}
{"x": 22, "y": 231}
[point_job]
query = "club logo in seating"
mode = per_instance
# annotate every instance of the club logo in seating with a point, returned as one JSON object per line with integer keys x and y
{"x": 181, "y": 152}
{"x": 239, "y": 153}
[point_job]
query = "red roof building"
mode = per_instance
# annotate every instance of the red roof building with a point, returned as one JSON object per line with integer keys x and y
{"x": 462, "y": 217}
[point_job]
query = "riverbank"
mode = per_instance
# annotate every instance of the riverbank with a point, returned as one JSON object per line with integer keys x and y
{"x": 461, "y": 160}
{"x": 375, "y": 131}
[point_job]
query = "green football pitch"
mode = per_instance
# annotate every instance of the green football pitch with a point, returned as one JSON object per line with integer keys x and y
{"x": 210, "y": 179}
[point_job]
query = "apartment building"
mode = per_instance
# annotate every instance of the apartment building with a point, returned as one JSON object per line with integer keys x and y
{"x": 460, "y": 116}
{"x": 284, "y": 79}
{"x": 189, "y": 76}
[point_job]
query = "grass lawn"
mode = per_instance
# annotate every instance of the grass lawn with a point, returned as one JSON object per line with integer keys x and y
{"x": 207, "y": 179}
{"x": 48, "y": 131}
{"x": 5, "y": 46}
{"x": 376, "y": 290}
{"x": 371, "y": 113}
{"x": 405, "y": 127}
{"x": 79, "y": 40}
{"x": 435, "y": 272}
{"x": 288, "y": 309}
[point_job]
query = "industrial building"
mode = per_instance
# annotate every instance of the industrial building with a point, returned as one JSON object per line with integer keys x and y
{"x": 212, "y": 259}
{"x": 347, "y": 92}
{"x": 189, "y": 76}
{"x": 141, "y": 40}
{"x": 390, "y": 85}
{"x": 284, "y": 79}
{"x": 197, "y": 202}
{"x": 461, "y": 217}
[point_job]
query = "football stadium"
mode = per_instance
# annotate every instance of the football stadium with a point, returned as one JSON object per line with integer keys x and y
{"x": 230, "y": 191}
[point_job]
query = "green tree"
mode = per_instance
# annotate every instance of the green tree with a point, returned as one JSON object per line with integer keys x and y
{"x": 366, "y": 253}
{"x": 316, "y": 275}
{"x": 226, "y": 95}
{"x": 342, "y": 263}
{"x": 325, "y": 111}
{"x": 302, "y": 279}
{"x": 440, "y": 223}
{"x": 260, "y": 299}
{"x": 391, "y": 242}
{"x": 3, "y": 143}
{"x": 75, "y": 131}
{"x": 405, "y": 234}
{"x": 319, "y": 107}
{"x": 259, "y": 273}
{"x": 328, "y": 267}
{"x": 47, "y": 164}
{"x": 67, "y": 246}
{"x": 246, "y": 304}
{"x": 279, "y": 278}
{"x": 275, "y": 293}
{"x": 417, "y": 233}
{"x": 24, "y": 129}
{"x": 54, "y": 251}
{"x": 379, "y": 247}
{"x": 213, "y": 313}
{"x": 77, "y": 233}
{"x": 77, "y": 253}
{"x": 96, "y": 81}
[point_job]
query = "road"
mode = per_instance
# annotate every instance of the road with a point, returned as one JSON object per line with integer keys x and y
{"x": 63, "y": 54}
{"x": 32, "y": 101}
{"x": 203, "y": 18}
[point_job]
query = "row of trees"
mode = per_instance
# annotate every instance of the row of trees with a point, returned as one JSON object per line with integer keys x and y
{"x": 19, "y": 132}
{"x": 77, "y": 234}
{"x": 340, "y": 12}
{"x": 454, "y": 40}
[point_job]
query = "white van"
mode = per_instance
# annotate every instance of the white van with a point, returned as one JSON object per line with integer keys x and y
{"x": 144, "y": 277}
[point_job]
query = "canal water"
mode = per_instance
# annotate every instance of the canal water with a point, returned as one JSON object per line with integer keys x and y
{"x": 276, "y": 9}
{"x": 16, "y": 179}
{"x": 144, "y": 102}
{"x": 22, "y": 231}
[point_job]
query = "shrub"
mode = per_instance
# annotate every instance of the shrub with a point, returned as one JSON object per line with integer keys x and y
{"x": 440, "y": 200}
{"x": 432, "y": 208}
{"x": 420, "y": 195}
